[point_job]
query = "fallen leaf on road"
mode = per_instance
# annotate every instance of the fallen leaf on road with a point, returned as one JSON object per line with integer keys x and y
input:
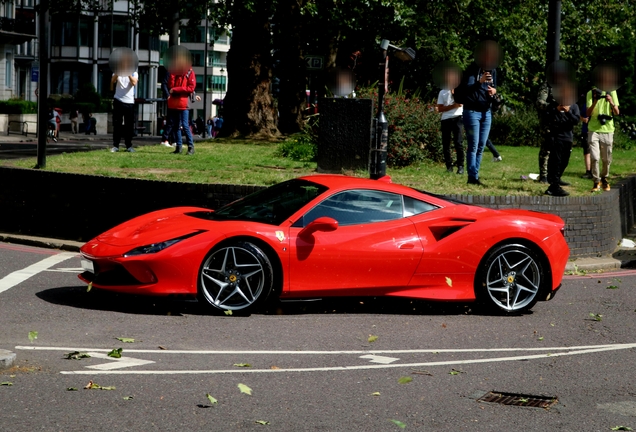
{"x": 372, "y": 338}
{"x": 211, "y": 399}
{"x": 596, "y": 317}
{"x": 456, "y": 372}
{"x": 424, "y": 372}
{"x": 115, "y": 353}
{"x": 162, "y": 347}
{"x": 612, "y": 287}
{"x": 261, "y": 422}
{"x": 375, "y": 394}
{"x": 274, "y": 367}
{"x": 94, "y": 386}
{"x": 621, "y": 428}
{"x": 71, "y": 388}
{"x": 76, "y": 355}
{"x": 540, "y": 338}
{"x": 398, "y": 423}
{"x": 6, "y": 383}
{"x": 128, "y": 397}
{"x": 245, "y": 389}
{"x": 405, "y": 380}
{"x": 228, "y": 312}
{"x": 125, "y": 340}
{"x": 33, "y": 335}
{"x": 242, "y": 365}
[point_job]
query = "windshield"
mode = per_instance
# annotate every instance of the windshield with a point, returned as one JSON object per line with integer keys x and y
{"x": 272, "y": 205}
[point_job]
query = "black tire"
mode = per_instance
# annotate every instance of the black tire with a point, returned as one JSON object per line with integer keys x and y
{"x": 236, "y": 276}
{"x": 510, "y": 279}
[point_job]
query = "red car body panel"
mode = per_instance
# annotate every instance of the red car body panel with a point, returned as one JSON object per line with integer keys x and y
{"x": 432, "y": 255}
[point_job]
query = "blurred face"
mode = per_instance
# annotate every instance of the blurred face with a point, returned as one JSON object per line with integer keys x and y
{"x": 606, "y": 78}
{"x": 447, "y": 75}
{"x": 178, "y": 59}
{"x": 565, "y": 93}
{"x": 123, "y": 61}
{"x": 487, "y": 55}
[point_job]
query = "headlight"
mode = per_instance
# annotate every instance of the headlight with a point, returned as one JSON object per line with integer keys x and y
{"x": 158, "y": 247}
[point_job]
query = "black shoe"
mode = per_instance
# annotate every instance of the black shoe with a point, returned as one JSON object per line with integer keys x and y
{"x": 563, "y": 183}
{"x": 177, "y": 150}
{"x": 460, "y": 170}
{"x": 543, "y": 179}
{"x": 557, "y": 191}
{"x": 587, "y": 175}
{"x": 191, "y": 151}
{"x": 449, "y": 169}
{"x": 475, "y": 182}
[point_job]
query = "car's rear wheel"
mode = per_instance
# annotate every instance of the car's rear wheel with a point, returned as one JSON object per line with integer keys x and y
{"x": 510, "y": 279}
{"x": 237, "y": 276}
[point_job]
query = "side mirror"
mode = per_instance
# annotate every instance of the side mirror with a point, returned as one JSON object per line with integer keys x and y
{"x": 325, "y": 224}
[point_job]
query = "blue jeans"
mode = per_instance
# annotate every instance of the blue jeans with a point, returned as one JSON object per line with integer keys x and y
{"x": 181, "y": 118}
{"x": 477, "y": 128}
{"x": 209, "y": 131}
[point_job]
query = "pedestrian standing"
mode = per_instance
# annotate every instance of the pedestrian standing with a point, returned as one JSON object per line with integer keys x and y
{"x": 74, "y": 117}
{"x": 181, "y": 85}
{"x": 602, "y": 103}
{"x": 210, "y": 125}
{"x": 218, "y": 125}
{"x": 584, "y": 143}
{"x": 452, "y": 123}
{"x": 124, "y": 103}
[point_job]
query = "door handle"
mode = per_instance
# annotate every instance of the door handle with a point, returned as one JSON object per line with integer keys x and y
{"x": 407, "y": 246}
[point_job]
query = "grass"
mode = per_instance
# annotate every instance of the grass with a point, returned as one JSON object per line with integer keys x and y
{"x": 257, "y": 163}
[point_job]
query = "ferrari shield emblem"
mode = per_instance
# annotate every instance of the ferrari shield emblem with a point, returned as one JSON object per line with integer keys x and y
{"x": 280, "y": 236}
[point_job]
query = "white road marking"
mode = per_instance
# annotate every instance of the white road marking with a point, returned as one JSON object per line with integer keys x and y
{"x": 117, "y": 363}
{"x": 548, "y": 352}
{"x": 12, "y": 279}
{"x": 379, "y": 359}
{"x": 66, "y": 270}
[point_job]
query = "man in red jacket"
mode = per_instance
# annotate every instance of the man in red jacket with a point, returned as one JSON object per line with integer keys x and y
{"x": 181, "y": 85}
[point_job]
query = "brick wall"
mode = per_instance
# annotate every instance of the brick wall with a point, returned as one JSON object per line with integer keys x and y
{"x": 78, "y": 207}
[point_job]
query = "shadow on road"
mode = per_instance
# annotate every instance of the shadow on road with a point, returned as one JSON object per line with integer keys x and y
{"x": 96, "y": 299}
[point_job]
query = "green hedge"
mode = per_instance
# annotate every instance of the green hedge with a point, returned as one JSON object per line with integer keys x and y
{"x": 18, "y": 106}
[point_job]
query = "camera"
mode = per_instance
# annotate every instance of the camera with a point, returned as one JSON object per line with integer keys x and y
{"x": 603, "y": 118}
{"x": 597, "y": 94}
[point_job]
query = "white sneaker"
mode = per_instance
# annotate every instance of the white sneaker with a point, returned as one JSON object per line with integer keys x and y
{"x": 496, "y": 159}
{"x": 165, "y": 144}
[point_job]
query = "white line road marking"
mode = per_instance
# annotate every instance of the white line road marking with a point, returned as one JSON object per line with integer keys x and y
{"x": 379, "y": 359}
{"x": 118, "y": 363}
{"x": 565, "y": 351}
{"x": 66, "y": 270}
{"x": 12, "y": 279}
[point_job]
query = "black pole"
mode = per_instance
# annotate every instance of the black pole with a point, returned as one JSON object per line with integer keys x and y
{"x": 554, "y": 31}
{"x": 43, "y": 82}
{"x": 377, "y": 168}
{"x": 205, "y": 75}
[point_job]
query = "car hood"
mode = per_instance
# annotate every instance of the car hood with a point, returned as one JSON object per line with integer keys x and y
{"x": 153, "y": 227}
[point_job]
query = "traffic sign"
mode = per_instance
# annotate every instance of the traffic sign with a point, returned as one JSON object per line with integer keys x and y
{"x": 35, "y": 73}
{"x": 314, "y": 62}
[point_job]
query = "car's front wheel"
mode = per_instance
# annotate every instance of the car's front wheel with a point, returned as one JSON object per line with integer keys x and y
{"x": 236, "y": 277}
{"x": 510, "y": 279}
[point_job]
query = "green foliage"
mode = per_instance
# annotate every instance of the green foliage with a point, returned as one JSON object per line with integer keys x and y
{"x": 18, "y": 106}
{"x": 516, "y": 128}
{"x": 302, "y": 146}
{"x": 87, "y": 99}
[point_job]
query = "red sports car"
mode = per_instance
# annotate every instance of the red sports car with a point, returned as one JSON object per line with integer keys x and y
{"x": 331, "y": 235}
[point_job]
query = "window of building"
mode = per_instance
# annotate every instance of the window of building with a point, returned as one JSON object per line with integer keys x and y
{"x": 217, "y": 83}
{"x": 197, "y": 57}
{"x": 216, "y": 58}
{"x": 199, "y": 87}
{"x": 187, "y": 35}
{"x": 8, "y": 9}
{"x": 8, "y": 70}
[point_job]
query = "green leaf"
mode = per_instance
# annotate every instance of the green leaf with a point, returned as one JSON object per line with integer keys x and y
{"x": 33, "y": 335}
{"x": 107, "y": 388}
{"x": 242, "y": 365}
{"x": 621, "y": 428}
{"x": 523, "y": 400}
{"x": 227, "y": 312}
{"x": 375, "y": 394}
{"x": 261, "y": 422}
{"x": 596, "y": 317}
{"x": 71, "y": 388}
{"x": 540, "y": 338}
{"x": 455, "y": 372}
{"x": 76, "y": 355}
{"x": 128, "y": 397}
{"x": 115, "y": 353}
{"x": 405, "y": 380}
{"x": 125, "y": 340}
{"x": 6, "y": 383}
{"x": 372, "y": 338}
{"x": 398, "y": 423}
{"x": 245, "y": 389}
{"x": 211, "y": 399}
{"x": 449, "y": 282}
{"x": 89, "y": 287}
{"x": 612, "y": 287}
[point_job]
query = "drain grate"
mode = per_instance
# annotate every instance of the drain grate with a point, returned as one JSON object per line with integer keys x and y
{"x": 515, "y": 399}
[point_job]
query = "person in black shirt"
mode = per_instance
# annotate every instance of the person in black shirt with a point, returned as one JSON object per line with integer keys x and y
{"x": 562, "y": 115}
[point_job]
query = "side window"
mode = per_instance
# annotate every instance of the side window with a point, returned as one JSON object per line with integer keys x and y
{"x": 414, "y": 207}
{"x": 358, "y": 207}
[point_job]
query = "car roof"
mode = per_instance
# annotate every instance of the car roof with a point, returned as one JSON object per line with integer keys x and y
{"x": 343, "y": 182}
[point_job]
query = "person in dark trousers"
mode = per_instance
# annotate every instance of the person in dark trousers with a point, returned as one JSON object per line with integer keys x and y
{"x": 169, "y": 135}
{"x": 496, "y": 157}
{"x": 586, "y": 146}
{"x": 124, "y": 105}
{"x": 218, "y": 125}
{"x": 452, "y": 123}
{"x": 561, "y": 115}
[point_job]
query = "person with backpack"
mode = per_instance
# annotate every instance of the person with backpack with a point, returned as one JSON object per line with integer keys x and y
{"x": 181, "y": 85}
{"x": 477, "y": 93}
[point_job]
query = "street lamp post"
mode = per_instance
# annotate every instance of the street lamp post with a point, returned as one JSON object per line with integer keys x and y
{"x": 554, "y": 31}
{"x": 380, "y": 140}
{"x": 43, "y": 82}
{"x": 205, "y": 74}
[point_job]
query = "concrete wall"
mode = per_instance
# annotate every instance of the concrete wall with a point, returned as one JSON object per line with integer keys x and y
{"x": 78, "y": 207}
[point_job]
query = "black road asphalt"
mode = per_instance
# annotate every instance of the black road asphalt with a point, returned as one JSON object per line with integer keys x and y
{"x": 312, "y": 366}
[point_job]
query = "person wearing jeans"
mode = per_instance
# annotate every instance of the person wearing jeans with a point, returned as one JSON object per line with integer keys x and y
{"x": 181, "y": 86}
{"x": 477, "y": 125}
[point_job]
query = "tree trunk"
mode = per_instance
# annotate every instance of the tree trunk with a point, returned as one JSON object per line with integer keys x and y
{"x": 291, "y": 69}
{"x": 248, "y": 106}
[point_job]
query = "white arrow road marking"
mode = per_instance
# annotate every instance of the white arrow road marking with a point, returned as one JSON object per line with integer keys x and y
{"x": 118, "y": 363}
{"x": 12, "y": 279}
{"x": 547, "y": 352}
{"x": 379, "y": 359}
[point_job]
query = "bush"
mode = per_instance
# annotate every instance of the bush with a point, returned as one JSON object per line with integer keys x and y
{"x": 18, "y": 106}
{"x": 87, "y": 99}
{"x": 516, "y": 128}
{"x": 413, "y": 129}
{"x": 302, "y": 146}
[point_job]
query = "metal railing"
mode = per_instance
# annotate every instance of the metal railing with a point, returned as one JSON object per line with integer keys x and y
{"x": 24, "y": 130}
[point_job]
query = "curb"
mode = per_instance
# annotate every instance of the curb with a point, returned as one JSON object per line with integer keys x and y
{"x": 7, "y": 358}
{"x": 66, "y": 245}
{"x": 593, "y": 264}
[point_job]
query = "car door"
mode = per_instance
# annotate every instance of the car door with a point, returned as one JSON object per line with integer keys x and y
{"x": 373, "y": 249}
